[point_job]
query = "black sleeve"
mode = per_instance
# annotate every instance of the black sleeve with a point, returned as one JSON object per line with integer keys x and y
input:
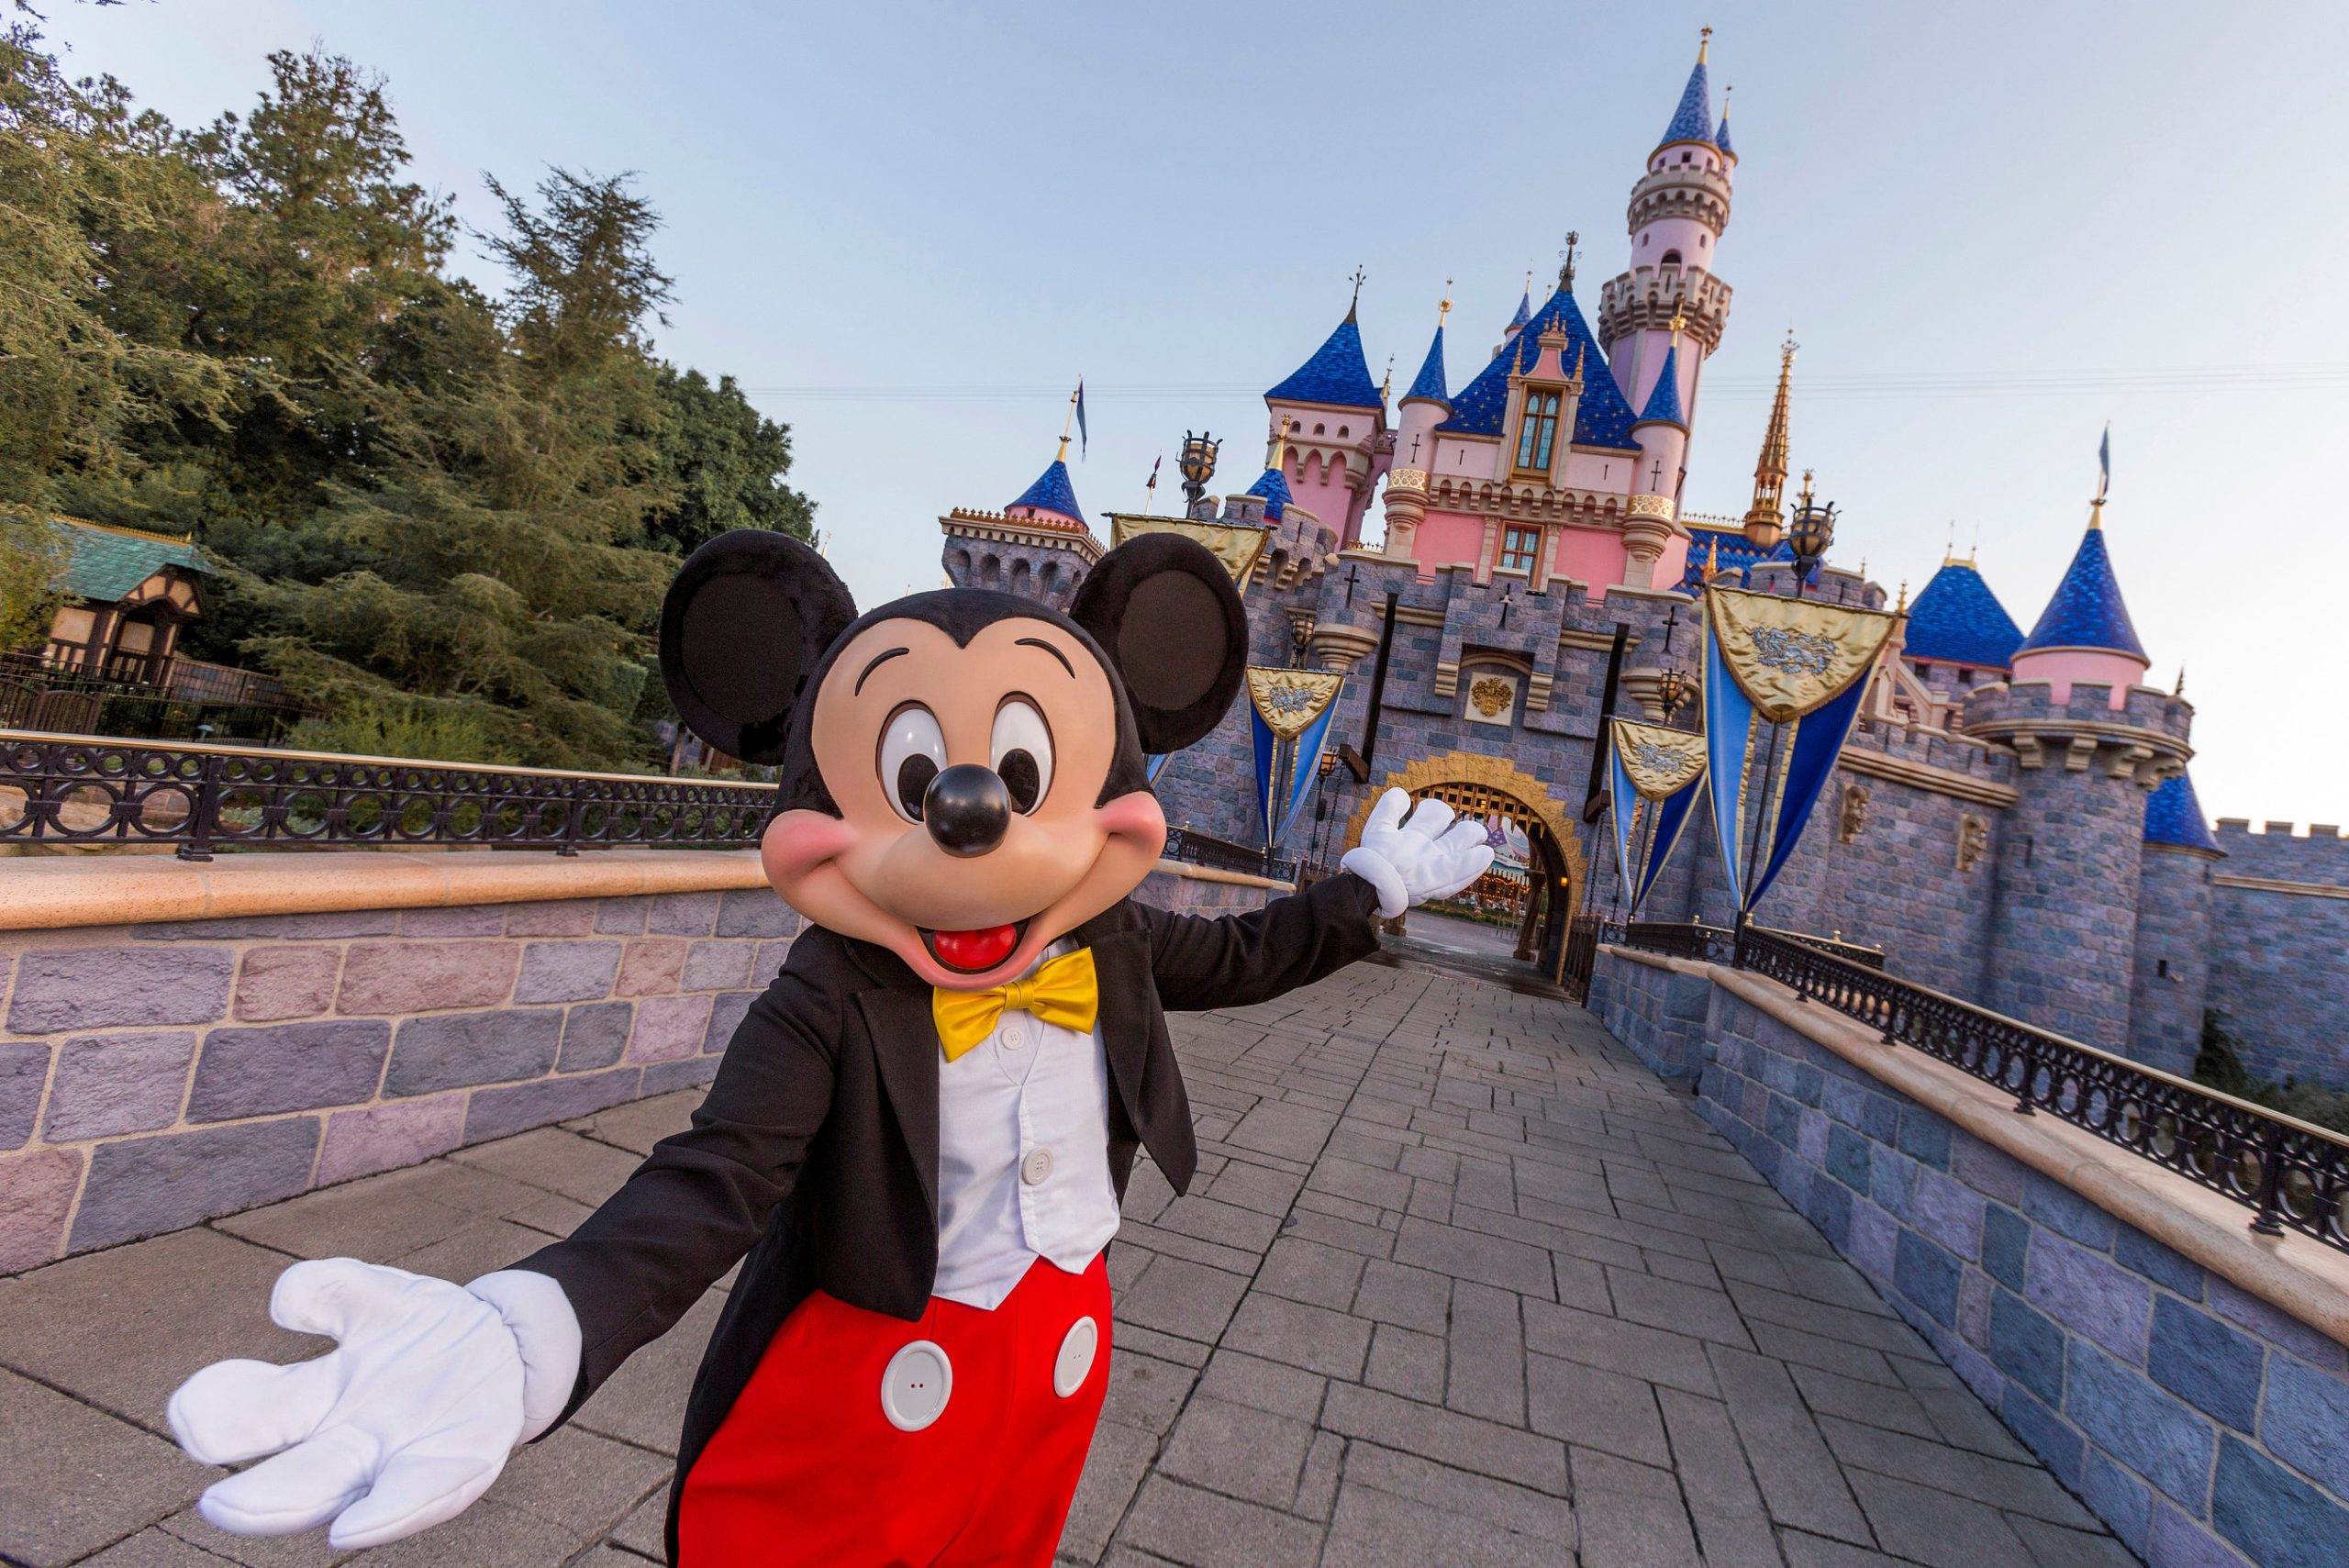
{"x": 703, "y": 1197}
{"x": 1234, "y": 960}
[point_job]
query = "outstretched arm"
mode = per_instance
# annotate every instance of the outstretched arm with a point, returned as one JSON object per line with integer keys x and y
{"x": 432, "y": 1385}
{"x": 1239, "y": 959}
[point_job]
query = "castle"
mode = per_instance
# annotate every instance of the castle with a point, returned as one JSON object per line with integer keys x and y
{"x": 2011, "y": 820}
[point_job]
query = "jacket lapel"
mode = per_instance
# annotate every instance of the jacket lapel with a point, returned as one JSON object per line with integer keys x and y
{"x": 905, "y": 1043}
{"x": 1121, "y": 971}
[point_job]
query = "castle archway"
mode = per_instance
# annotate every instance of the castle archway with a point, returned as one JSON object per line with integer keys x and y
{"x": 1482, "y": 787}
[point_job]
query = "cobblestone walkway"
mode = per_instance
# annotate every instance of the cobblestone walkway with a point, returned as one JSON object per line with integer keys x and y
{"x": 1461, "y": 1284}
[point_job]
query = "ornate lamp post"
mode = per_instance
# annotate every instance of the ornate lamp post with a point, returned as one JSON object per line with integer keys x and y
{"x": 1198, "y": 463}
{"x": 1810, "y": 535}
{"x": 1671, "y": 691}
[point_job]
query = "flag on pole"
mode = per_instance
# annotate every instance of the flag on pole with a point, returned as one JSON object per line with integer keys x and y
{"x": 1080, "y": 417}
{"x": 2104, "y": 464}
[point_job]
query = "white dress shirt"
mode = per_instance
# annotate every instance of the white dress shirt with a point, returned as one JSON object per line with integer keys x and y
{"x": 1023, "y": 1156}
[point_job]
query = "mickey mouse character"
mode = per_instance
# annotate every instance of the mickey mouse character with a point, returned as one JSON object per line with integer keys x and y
{"x": 920, "y": 1133}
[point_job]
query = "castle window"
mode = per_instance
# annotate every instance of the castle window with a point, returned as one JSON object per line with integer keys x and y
{"x": 1519, "y": 545}
{"x": 1672, "y": 258}
{"x": 1319, "y": 428}
{"x": 1537, "y": 431}
{"x": 1342, "y": 432}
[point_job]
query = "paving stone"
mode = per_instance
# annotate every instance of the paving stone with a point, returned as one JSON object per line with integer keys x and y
{"x": 578, "y": 1480}
{"x": 1624, "y": 1529}
{"x": 1653, "y": 1355}
{"x": 1188, "y": 1300}
{"x": 72, "y": 1479}
{"x": 1310, "y": 1271}
{"x": 1545, "y": 1515}
{"x": 1406, "y": 1362}
{"x": 1297, "y": 1335}
{"x": 1800, "y": 1481}
{"x": 1398, "y": 1294}
{"x": 1465, "y": 1254}
{"x": 576, "y": 1167}
{"x": 644, "y": 1402}
{"x": 1375, "y": 1529}
{"x": 1935, "y": 1528}
{"x": 1487, "y": 1354}
{"x": 1147, "y": 1393}
{"x": 1203, "y": 1529}
{"x": 1294, "y": 1132}
{"x": 1237, "y": 1450}
{"x": 1598, "y": 1410}
{"x": 1114, "y": 1468}
{"x": 153, "y": 1549}
{"x": 1446, "y": 1437}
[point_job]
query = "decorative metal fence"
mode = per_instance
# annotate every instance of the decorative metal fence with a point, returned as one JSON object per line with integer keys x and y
{"x": 2291, "y": 1174}
{"x": 75, "y": 789}
{"x": 1192, "y": 847}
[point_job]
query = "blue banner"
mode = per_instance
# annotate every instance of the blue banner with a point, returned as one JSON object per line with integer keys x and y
{"x": 1672, "y": 815}
{"x": 1812, "y": 744}
{"x": 1304, "y": 766}
{"x": 1728, "y": 727}
{"x": 1622, "y": 807}
{"x": 1155, "y": 765}
{"x": 1268, "y": 749}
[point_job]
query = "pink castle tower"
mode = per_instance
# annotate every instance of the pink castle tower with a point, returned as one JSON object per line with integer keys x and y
{"x": 1563, "y": 456}
{"x": 2085, "y": 633}
{"x": 1332, "y": 418}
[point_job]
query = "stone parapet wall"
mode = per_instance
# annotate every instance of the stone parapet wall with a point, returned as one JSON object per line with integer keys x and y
{"x": 153, "y": 1075}
{"x": 2186, "y": 1379}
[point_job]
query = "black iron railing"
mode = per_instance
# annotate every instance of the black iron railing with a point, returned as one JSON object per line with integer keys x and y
{"x": 1679, "y": 938}
{"x": 2291, "y": 1174}
{"x": 1194, "y": 848}
{"x": 74, "y": 789}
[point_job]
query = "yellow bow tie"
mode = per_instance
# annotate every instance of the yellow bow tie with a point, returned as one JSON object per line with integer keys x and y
{"x": 1062, "y": 992}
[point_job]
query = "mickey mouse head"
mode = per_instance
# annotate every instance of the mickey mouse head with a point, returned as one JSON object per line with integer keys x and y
{"x": 964, "y": 775}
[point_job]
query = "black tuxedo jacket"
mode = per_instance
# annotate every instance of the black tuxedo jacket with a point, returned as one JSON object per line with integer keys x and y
{"x": 816, "y": 1151}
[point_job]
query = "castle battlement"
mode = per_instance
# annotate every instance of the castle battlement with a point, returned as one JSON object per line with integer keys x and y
{"x": 2278, "y": 852}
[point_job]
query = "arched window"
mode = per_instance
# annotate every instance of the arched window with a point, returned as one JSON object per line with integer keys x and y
{"x": 1537, "y": 432}
{"x": 1672, "y": 258}
{"x": 1343, "y": 431}
{"x": 1319, "y": 428}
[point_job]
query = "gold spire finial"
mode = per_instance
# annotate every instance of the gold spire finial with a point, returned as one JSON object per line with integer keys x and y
{"x": 1806, "y": 487}
{"x": 1444, "y": 309}
{"x": 1386, "y": 382}
{"x": 1566, "y": 262}
{"x": 1279, "y": 449}
{"x": 1727, "y": 89}
{"x": 1062, "y": 455}
{"x": 2096, "y": 514}
{"x": 1713, "y": 559}
{"x": 1704, "y": 42}
{"x": 1902, "y": 607}
{"x": 1679, "y": 321}
{"x": 1766, "y": 519}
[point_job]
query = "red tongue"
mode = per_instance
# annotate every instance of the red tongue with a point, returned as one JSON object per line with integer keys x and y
{"x": 976, "y": 949}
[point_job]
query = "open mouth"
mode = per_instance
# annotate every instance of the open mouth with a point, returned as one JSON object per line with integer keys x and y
{"x": 973, "y": 952}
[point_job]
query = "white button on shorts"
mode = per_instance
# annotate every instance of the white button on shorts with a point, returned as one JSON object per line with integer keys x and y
{"x": 915, "y": 1386}
{"x": 1075, "y": 1360}
{"x": 1036, "y": 1167}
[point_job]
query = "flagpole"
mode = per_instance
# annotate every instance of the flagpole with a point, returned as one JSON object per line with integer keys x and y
{"x": 1761, "y": 811}
{"x": 1070, "y": 423}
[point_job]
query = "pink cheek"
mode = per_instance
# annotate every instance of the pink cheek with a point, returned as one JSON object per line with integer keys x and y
{"x": 1136, "y": 816}
{"x": 798, "y": 843}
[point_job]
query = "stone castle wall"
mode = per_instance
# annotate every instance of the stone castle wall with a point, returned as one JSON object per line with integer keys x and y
{"x": 2280, "y": 958}
{"x": 2172, "y": 981}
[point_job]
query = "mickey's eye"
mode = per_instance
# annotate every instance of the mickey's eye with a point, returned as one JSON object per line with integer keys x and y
{"x": 913, "y": 752}
{"x": 1022, "y": 752}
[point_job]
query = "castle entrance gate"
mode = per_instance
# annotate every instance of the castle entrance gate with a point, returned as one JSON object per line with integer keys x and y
{"x": 1483, "y": 788}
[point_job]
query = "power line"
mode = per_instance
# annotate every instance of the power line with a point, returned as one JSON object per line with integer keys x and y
{"x": 1888, "y": 385}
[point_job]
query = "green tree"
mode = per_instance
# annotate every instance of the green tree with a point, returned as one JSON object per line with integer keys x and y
{"x": 32, "y": 569}
{"x": 728, "y": 461}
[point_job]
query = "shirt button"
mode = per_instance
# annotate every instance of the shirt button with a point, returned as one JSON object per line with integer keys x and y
{"x": 1014, "y": 1037}
{"x": 1036, "y": 1167}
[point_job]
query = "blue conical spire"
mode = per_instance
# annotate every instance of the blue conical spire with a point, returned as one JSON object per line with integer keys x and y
{"x": 1959, "y": 619}
{"x": 1663, "y": 402}
{"x": 1693, "y": 120}
{"x": 1524, "y": 310}
{"x": 2086, "y": 610}
{"x": 2173, "y": 815}
{"x": 1720, "y": 138}
{"x": 1336, "y": 375}
{"x": 1429, "y": 383}
{"x": 1053, "y": 491}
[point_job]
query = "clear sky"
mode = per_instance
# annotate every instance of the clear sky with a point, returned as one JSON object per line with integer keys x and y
{"x": 1993, "y": 227}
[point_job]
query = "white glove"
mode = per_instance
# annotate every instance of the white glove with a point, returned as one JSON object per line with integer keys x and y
{"x": 1412, "y": 861}
{"x": 401, "y": 1428}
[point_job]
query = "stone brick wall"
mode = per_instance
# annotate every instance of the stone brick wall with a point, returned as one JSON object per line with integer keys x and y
{"x": 153, "y": 1076}
{"x": 2172, "y": 982}
{"x": 2204, "y": 1424}
{"x": 2279, "y": 960}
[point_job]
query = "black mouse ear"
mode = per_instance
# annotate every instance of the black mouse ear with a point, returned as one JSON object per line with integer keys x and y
{"x": 749, "y": 616}
{"x": 1164, "y": 609}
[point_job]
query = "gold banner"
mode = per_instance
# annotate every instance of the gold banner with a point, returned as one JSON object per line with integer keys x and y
{"x": 1289, "y": 700}
{"x": 1660, "y": 762}
{"x": 1790, "y": 656}
{"x": 1236, "y": 545}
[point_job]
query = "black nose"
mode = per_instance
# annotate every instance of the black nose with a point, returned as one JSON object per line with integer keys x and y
{"x": 966, "y": 808}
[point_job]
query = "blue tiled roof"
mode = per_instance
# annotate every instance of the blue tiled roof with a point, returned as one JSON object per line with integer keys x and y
{"x": 1429, "y": 383}
{"x": 1336, "y": 375}
{"x": 2087, "y": 610}
{"x": 1720, "y": 138}
{"x": 1052, "y": 492}
{"x": 1273, "y": 485}
{"x": 2173, "y": 815}
{"x": 1663, "y": 402}
{"x": 1693, "y": 120}
{"x": 1958, "y": 619}
{"x": 1602, "y": 419}
{"x": 1524, "y": 311}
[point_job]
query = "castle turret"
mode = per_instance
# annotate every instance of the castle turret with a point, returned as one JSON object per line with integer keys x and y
{"x": 2085, "y": 633}
{"x": 1425, "y": 405}
{"x": 1037, "y": 546}
{"x": 2174, "y": 939}
{"x": 2063, "y": 901}
{"x": 1676, "y": 214}
{"x": 1516, "y": 323}
{"x": 1335, "y": 416}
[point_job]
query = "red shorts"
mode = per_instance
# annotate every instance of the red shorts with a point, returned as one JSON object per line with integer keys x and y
{"x": 866, "y": 1441}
